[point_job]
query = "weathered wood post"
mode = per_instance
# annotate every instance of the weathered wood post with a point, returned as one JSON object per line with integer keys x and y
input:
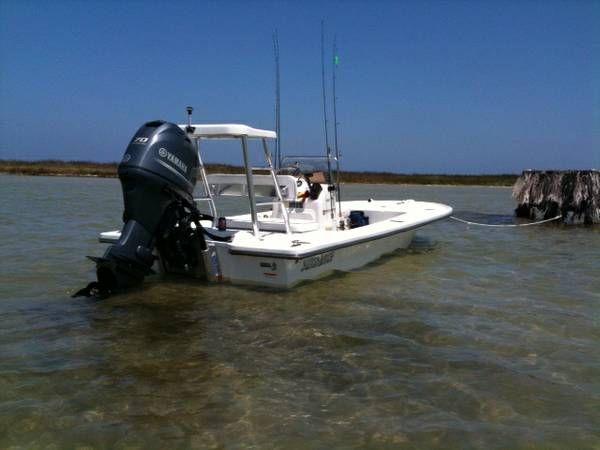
{"x": 575, "y": 194}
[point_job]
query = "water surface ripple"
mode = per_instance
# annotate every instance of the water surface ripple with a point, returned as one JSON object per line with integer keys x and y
{"x": 471, "y": 338}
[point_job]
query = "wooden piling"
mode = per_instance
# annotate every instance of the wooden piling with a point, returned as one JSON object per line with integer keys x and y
{"x": 575, "y": 194}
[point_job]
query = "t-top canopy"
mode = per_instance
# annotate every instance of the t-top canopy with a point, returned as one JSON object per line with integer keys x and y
{"x": 228, "y": 130}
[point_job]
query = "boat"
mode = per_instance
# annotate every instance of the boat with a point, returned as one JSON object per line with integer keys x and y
{"x": 297, "y": 228}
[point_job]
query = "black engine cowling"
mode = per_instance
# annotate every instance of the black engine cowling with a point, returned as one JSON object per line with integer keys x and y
{"x": 158, "y": 176}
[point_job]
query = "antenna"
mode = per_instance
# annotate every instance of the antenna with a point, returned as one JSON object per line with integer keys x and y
{"x": 327, "y": 148}
{"x": 336, "y": 61}
{"x": 277, "y": 100}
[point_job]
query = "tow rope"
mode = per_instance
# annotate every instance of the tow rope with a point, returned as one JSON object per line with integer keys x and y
{"x": 458, "y": 219}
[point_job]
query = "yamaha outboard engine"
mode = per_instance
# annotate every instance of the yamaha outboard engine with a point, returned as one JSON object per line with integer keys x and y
{"x": 158, "y": 175}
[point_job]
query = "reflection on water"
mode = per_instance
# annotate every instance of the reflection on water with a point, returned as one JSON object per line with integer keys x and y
{"x": 471, "y": 338}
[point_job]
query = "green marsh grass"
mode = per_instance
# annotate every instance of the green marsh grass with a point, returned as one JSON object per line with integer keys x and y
{"x": 109, "y": 170}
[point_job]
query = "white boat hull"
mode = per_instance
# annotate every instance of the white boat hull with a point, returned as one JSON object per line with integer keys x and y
{"x": 282, "y": 260}
{"x": 286, "y": 272}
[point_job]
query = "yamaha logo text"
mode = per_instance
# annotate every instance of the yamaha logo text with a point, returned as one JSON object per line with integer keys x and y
{"x": 164, "y": 153}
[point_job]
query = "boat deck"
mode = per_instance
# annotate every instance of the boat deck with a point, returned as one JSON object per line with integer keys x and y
{"x": 386, "y": 218}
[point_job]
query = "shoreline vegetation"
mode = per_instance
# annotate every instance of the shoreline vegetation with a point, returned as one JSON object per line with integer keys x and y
{"x": 109, "y": 170}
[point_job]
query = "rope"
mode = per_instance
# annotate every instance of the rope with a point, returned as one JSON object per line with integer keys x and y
{"x": 507, "y": 225}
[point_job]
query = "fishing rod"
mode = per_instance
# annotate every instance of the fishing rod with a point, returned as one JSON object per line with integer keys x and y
{"x": 277, "y": 101}
{"x": 327, "y": 148}
{"x": 336, "y": 61}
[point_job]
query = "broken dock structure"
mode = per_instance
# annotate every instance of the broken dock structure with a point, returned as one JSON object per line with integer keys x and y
{"x": 572, "y": 194}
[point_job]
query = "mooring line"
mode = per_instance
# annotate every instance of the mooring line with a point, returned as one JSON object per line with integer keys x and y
{"x": 458, "y": 219}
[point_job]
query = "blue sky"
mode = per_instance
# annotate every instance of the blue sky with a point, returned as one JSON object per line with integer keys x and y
{"x": 441, "y": 87}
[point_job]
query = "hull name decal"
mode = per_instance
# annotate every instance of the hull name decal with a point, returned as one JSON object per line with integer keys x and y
{"x": 316, "y": 261}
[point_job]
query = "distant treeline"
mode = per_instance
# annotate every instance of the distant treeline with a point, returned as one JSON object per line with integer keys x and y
{"x": 109, "y": 170}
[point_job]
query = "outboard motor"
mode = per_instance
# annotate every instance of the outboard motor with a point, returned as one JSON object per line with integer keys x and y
{"x": 158, "y": 176}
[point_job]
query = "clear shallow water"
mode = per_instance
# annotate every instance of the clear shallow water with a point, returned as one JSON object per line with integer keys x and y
{"x": 472, "y": 338}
